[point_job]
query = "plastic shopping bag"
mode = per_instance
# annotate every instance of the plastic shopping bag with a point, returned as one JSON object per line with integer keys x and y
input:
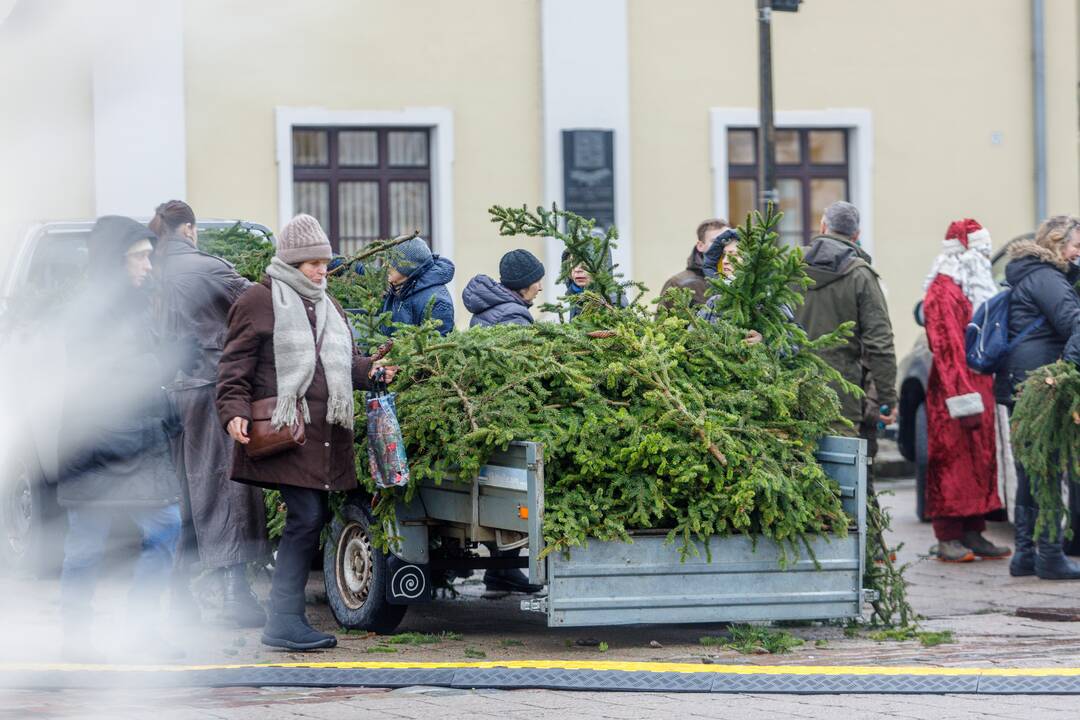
{"x": 386, "y": 447}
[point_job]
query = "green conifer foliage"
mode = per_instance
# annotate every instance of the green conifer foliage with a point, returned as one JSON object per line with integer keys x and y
{"x": 1046, "y": 438}
{"x": 648, "y": 420}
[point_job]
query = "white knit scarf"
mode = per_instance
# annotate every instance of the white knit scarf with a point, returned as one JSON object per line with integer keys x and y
{"x": 294, "y": 347}
{"x": 969, "y": 267}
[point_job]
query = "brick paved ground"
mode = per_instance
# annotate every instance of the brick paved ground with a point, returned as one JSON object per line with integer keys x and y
{"x": 975, "y": 601}
{"x": 427, "y": 703}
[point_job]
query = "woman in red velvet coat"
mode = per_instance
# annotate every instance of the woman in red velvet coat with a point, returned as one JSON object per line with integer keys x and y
{"x": 961, "y": 473}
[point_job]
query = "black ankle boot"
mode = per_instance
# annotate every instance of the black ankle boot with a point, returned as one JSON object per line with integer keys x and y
{"x": 1050, "y": 560}
{"x": 1023, "y": 559}
{"x": 239, "y": 603}
{"x": 509, "y": 580}
{"x": 292, "y": 632}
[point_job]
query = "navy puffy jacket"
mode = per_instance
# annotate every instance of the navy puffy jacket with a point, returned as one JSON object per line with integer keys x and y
{"x": 408, "y": 303}
{"x": 1041, "y": 288}
{"x": 492, "y": 303}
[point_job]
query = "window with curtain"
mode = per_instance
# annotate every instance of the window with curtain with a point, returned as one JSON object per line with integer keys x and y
{"x": 812, "y": 172}
{"x": 363, "y": 183}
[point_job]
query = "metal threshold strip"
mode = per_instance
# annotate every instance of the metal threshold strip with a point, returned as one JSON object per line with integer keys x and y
{"x": 561, "y": 675}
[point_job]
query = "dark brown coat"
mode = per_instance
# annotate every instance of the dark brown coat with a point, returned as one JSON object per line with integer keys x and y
{"x": 247, "y": 372}
{"x": 693, "y": 277}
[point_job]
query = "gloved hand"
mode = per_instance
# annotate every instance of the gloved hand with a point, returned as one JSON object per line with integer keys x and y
{"x": 710, "y": 264}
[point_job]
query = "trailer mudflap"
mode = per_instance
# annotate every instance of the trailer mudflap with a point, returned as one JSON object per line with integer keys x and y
{"x": 408, "y": 583}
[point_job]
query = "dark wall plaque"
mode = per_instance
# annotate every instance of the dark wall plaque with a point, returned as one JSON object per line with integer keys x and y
{"x": 589, "y": 174}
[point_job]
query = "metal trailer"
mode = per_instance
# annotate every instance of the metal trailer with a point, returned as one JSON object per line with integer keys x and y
{"x": 737, "y": 579}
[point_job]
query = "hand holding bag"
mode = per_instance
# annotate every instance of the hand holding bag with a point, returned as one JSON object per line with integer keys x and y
{"x": 387, "y": 461}
{"x": 264, "y": 439}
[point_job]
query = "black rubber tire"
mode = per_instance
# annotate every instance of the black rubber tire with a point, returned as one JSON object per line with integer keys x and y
{"x": 32, "y": 529}
{"x": 355, "y": 574}
{"x": 921, "y": 454}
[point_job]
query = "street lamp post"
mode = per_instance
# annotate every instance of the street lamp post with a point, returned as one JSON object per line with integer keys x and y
{"x": 767, "y": 192}
{"x": 766, "y": 141}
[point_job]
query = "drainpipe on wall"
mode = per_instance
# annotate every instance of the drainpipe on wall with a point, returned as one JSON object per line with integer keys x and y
{"x": 1038, "y": 43}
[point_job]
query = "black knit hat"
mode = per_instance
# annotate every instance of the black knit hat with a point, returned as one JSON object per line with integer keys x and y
{"x": 519, "y": 269}
{"x": 110, "y": 238}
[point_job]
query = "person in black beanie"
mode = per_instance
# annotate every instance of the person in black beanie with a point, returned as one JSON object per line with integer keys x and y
{"x": 506, "y": 302}
{"x": 116, "y": 423}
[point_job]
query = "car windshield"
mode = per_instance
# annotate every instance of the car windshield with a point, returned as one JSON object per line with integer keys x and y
{"x": 59, "y": 261}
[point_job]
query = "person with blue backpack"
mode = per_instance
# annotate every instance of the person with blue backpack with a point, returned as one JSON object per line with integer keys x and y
{"x": 961, "y": 470}
{"x": 1043, "y": 327}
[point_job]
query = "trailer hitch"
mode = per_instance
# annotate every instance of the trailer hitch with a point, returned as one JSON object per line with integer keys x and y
{"x": 536, "y": 604}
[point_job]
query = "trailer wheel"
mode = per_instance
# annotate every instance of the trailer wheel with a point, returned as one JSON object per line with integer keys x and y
{"x": 355, "y": 574}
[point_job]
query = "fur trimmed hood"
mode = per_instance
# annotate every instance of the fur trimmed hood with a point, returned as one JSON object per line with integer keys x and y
{"x": 1029, "y": 248}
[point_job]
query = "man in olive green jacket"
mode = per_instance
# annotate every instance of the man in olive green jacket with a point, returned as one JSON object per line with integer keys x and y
{"x": 846, "y": 289}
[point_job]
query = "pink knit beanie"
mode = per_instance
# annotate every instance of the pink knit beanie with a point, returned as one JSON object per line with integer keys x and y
{"x": 303, "y": 239}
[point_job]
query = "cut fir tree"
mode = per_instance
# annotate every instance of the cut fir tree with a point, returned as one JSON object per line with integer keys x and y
{"x": 1046, "y": 440}
{"x": 649, "y": 420}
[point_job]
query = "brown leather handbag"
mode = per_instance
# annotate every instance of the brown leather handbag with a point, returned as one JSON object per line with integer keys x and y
{"x": 264, "y": 440}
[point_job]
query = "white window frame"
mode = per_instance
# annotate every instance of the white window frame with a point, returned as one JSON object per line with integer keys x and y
{"x": 860, "y": 125}
{"x": 440, "y": 121}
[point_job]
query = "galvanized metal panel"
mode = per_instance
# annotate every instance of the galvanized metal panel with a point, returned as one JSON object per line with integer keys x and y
{"x": 614, "y": 583}
{"x": 497, "y": 507}
{"x": 534, "y": 460}
{"x": 411, "y": 528}
{"x": 646, "y": 581}
{"x": 844, "y": 459}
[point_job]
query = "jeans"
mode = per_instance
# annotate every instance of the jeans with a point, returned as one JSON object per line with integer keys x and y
{"x": 84, "y": 546}
{"x": 307, "y": 511}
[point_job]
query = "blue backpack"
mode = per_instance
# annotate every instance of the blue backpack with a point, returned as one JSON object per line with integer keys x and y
{"x": 986, "y": 339}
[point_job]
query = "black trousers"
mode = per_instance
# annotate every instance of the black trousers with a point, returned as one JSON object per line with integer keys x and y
{"x": 307, "y": 512}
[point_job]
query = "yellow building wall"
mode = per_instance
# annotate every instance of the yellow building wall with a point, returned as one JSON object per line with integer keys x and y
{"x": 46, "y": 121}
{"x": 938, "y": 84}
{"x": 480, "y": 59}
{"x": 938, "y": 81}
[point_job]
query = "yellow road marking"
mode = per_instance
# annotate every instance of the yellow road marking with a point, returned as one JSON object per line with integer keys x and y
{"x": 599, "y": 666}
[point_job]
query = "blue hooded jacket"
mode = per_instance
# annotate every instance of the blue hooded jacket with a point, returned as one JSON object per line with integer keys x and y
{"x": 492, "y": 303}
{"x": 408, "y": 303}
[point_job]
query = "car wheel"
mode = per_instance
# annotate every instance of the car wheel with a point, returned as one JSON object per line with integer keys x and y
{"x": 356, "y": 575}
{"x": 921, "y": 454}
{"x": 27, "y": 507}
